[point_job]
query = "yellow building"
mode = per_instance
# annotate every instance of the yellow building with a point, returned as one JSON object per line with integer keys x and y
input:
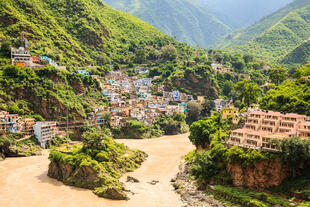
{"x": 230, "y": 112}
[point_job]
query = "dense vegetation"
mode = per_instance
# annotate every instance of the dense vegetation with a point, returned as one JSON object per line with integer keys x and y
{"x": 171, "y": 125}
{"x": 209, "y": 165}
{"x": 291, "y": 96}
{"x": 12, "y": 146}
{"x": 97, "y": 164}
{"x": 275, "y": 36}
{"x": 52, "y": 91}
{"x": 77, "y": 32}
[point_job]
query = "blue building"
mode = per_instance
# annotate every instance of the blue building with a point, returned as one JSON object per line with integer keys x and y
{"x": 83, "y": 72}
{"x": 12, "y": 127}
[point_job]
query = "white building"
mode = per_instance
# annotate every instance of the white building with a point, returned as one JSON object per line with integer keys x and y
{"x": 44, "y": 131}
{"x": 220, "y": 104}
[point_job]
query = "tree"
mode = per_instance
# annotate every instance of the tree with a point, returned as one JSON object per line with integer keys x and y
{"x": 194, "y": 110}
{"x": 94, "y": 139}
{"x": 278, "y": 75}
{"x": 140, "y": 56}
{"x": 295, "y": 151}
{"x": 202, "y": 131}
{"x": 5, "y": 49}
{"x": 208, "y": 106}
{"x": 168, "y": 52}
{"x": 107, "y": 118}
{"x": 227, "y": 88}
{"x": 247, "y": 92}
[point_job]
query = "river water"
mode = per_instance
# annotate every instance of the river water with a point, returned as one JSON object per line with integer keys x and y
{"x": 24, "y": 181}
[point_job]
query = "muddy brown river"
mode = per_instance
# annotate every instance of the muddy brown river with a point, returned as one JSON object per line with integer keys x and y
{"x": 24, "y": 181}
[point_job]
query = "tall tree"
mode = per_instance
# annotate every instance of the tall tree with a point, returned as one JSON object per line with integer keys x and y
{"x": 247, "y": 92}
{"x": 278, "y": 75}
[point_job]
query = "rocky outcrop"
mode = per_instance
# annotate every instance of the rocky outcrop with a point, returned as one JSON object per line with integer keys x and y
{"x": 261, "y": 175}
{"x": 84, "y": 177}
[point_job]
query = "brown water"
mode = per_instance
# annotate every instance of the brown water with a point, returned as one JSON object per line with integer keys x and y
{"x": 24, "y": 181}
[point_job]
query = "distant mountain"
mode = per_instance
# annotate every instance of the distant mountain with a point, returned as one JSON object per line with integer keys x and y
{"x": 275, "y": 36}
{"x": 241, "y": 13}
{"x": 185, "y": 19}
{"x": 244, "y": 35}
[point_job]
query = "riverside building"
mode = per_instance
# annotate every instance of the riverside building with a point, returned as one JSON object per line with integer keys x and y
{"x": 263, "y": 126}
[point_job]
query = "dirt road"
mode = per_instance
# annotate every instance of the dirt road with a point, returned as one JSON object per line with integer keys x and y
{"x": 24, "y": 181}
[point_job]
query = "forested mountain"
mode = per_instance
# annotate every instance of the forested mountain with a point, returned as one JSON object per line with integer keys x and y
{"x": 76, "y": 32}
{"x": 186, "y": 19}
{"x": 275, "y": 36}
{"x": 241, "y": 13}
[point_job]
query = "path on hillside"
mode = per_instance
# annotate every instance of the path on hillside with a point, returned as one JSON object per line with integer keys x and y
{"x": 24, "y": 181}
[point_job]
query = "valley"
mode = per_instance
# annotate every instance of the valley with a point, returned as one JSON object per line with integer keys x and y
{"x": 198, "y": 103}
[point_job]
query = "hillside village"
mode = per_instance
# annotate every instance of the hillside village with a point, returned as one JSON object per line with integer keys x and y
{"x": 99, "y": 99}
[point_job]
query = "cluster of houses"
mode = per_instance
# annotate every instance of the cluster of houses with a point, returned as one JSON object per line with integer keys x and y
{"x": 219, "y": 68}
{"x": 263, "y": 126}
{"x": 43, "y": 131}
{"x": 131, "y": 99}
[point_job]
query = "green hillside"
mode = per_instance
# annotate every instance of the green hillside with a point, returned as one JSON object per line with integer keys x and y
{"x": 300, "y": 55}
{"x": 82, "y": 33}
{"x": 281, "y": 38}
{"x": 188, "y": 21}
{"x": 243, "y": 36}
{"x": 77, "y": 32}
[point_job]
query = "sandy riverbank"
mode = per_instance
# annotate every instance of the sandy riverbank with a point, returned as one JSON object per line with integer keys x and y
{"x": 24, "y": 181}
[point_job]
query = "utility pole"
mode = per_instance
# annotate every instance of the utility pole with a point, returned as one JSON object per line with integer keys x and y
{"x": 67, "y": 120}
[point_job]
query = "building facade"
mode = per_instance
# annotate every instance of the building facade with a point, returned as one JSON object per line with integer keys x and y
{"x": 263, "y": 126}
{"x": 45, "y": 131}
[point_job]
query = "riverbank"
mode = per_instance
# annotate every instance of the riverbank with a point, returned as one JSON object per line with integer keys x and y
{"x": 24, "y": 181}
{"x": 187, "y": 189}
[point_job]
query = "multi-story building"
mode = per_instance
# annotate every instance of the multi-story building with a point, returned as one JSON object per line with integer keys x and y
{"x": 28, "y": 125}
{"x": 220, "y": 104}
{"x": 45, "y": 131}
{"x": 263, "y": 126}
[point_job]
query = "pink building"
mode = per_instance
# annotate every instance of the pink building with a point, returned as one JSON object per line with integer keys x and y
{"x": 262, "y": 126}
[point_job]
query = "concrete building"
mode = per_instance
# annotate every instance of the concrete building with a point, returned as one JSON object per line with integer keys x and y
{"x": 44, "y": 131}
{"x": 263, "y": 126}
{"x": 220, "y": 104}
{"x": 230, "y": 111}
{"x": 21, "y": 56}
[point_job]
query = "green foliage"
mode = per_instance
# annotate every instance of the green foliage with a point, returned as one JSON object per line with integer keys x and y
{"x": 295, "y": 151}
{"x": 292, "y": 97}
{"x": 94, "y": 139}
{"x": 275, "y": 36}
{"x": 172, "y": 125}
{"x": 168, "y": 52}
{"x": 133, "y": 129}
{"x": 78, "y": 32}
{"x": 51, "y": 91}
{"x": 193, "y": 111}
{"x": 246, "y": 198}
{"x": 247, "y": 92}
{"x": 56, "y": 141}
{"x": 278, "y": 75}
{"x": 11, "y": 146}
{"x": 105, "y": 163}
